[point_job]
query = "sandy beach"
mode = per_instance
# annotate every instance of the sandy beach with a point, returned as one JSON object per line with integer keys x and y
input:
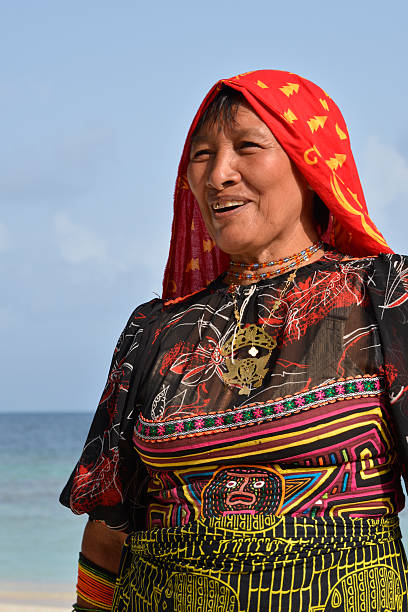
{"x": 16, "y": 597}
{"x": 27, "y": 608}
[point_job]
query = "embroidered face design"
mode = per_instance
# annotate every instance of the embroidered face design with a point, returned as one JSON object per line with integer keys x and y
{"x": 243, "y": 490}
{"x": 247, "y": 365}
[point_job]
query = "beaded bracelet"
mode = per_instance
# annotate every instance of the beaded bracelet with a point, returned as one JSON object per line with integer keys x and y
{"x": 95, "y": 585}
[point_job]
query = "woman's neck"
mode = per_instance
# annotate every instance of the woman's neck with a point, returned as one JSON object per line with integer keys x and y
{"x": 247, "y": 272}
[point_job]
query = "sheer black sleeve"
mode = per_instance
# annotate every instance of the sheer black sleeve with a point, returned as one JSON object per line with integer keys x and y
{"x": 108, "y": 480}
{"x": 388, "y": 287}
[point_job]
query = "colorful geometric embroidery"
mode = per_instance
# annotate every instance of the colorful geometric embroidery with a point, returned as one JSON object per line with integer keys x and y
{"x": 255, "y": 413}
{"x": 336, "y": 460}
{"x": 243, "y": 489}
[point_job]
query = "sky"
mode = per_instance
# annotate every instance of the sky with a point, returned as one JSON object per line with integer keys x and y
{"x": 96, "y": 98}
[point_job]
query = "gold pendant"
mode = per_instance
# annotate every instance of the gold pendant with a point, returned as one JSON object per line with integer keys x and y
{"x": 247, "y": 372}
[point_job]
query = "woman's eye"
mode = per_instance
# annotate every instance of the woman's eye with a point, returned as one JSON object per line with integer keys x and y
{"x": 200, "y": 153}
{"x": 247, "y": 144}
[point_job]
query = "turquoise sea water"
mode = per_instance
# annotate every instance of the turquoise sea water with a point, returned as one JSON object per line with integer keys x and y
{"x": 40, "y": 539}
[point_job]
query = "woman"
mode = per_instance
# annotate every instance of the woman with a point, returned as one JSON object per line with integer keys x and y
{"x": 252, "y": 432}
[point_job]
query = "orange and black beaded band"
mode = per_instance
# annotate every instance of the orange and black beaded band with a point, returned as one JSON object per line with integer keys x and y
{"x": 95, "y": 584}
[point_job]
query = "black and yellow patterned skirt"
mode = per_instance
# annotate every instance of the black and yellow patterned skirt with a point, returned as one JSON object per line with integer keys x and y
{"x": 247, "y": 563}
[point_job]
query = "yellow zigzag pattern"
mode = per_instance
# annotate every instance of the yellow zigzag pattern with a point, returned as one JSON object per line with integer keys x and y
{"x": 317, "y": 121}
{"x": 289, "y": 88}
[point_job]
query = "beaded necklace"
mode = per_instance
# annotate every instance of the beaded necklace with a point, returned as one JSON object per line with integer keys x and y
{"x": 293, "y": 261}
{"x": 249, "y": 372}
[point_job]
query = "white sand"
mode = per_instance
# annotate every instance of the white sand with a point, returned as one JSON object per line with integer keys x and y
{"x": 23, "y": 608}
{"x": 15, "y": 597}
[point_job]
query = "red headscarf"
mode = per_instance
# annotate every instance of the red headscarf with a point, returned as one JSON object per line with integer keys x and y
{"x": 311, "y": 129}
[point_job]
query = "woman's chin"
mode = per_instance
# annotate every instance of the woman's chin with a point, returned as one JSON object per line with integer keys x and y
{"x": 242, "y": 240}
{"x": 236, "y": 247}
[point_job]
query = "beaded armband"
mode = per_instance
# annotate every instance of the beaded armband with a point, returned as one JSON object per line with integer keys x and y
{"x": 95, "y": 585}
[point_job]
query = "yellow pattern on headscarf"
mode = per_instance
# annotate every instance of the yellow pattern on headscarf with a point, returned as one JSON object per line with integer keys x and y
{"x": 316, "y": 122}
{"x": 340, "y": 197}
{"x": 289, "y": 88}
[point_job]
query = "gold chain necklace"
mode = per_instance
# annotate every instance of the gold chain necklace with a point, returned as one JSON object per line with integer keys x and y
{"x": 249, "y": 372}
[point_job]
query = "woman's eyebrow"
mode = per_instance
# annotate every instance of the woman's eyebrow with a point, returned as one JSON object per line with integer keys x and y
{"x": 248, "y": 133}
{"x": 198, "y": 138}
{"x": 253, "y": 132}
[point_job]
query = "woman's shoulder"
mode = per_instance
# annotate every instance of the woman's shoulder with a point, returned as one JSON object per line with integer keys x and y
{"x": 152, "y": 313}
{"x": 390, "y": 258}
{"x": 382, "y": 262}
{"x": 198, "y": 297}
{"x": 390, "y": 274}
{"x": 392, "y": 264}
{"x": 142, "y": 319}
{"x": 385, "y": 275}
{"x": 147, "y": 311}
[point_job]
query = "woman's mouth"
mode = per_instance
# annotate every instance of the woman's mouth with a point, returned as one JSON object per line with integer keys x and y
{"x": 220, "y": 207}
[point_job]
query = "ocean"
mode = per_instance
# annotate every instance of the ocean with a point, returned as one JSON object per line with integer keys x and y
{"x": 40, "y": 539}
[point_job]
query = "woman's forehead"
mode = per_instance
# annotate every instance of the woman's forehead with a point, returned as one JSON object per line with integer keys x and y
{"x": 245, "y": 123}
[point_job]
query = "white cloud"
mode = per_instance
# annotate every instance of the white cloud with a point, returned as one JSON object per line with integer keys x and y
{"x": 386, "y": 177}
{"x": 78, "y": 244}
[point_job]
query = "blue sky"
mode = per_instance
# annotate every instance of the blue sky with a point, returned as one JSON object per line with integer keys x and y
{"x": 96, "y": 98}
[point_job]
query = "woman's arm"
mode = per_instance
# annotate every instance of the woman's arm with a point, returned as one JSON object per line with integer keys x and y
{"x": 103, "y": 546}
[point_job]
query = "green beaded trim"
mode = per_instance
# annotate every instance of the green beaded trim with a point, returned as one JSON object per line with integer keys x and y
{"x": 258, "y": 413}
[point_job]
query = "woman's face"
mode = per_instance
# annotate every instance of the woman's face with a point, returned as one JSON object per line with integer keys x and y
{"x": 255, "y": 203}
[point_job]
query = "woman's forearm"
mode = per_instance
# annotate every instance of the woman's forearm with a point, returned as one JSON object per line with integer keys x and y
{"x": 103, "y": 547}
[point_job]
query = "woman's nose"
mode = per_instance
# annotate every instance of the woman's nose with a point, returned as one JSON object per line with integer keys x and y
{"x": 223, "y": 171}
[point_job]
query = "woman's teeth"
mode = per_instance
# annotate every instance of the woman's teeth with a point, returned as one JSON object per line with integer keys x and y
{"x": 219, "y": 206}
